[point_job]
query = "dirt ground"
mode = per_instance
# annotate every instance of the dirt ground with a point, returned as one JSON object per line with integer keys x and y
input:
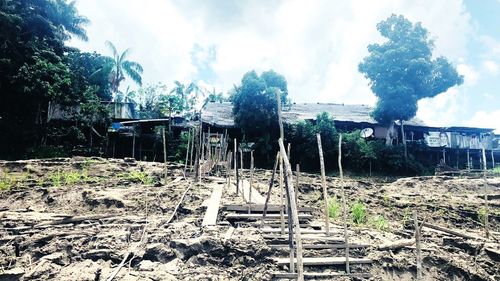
{"x": 80, "y": 218}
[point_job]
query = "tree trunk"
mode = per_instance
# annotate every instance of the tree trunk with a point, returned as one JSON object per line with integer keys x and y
{"x": 390, "y": 134}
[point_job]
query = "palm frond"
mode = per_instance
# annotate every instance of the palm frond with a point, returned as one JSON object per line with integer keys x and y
{"x": 123, "y": 56}
{"x": 112, "y": 48}
{"x": 135, "y": 65}
{"x": 133, "y": 74}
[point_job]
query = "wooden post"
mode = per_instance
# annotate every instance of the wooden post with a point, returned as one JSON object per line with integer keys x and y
{"x": 165, "y": 154}
{"x": 323, "y": 183}
{"x": 251, "y": 183}
{"x": 187, "y": 152}
{"x": 444, "y": 155}
{"x": 191, "y": 153}
{"x": 133, "y": 144}
{"x": 417, "y": 244}
{"x": 297, "y": 170}
{"x": 468, "y": 159}
{"x": 271, "y": 182}
{"x": 294, "y": 212}
{"x": 198, "y": 154}
{"x": 235, "y": 165}
{"x": 228, "y": 169}
{"x": 282, "y": 197}
{"x": 403, "y": 139}
{"x": 485, "y": 166}
{"x": 492, "y": 159}
{"x": 344, "y": 208}
{"x": 288, "y": 152}
{"x": 203, "y": 144}
{"x": 486, "y": 223}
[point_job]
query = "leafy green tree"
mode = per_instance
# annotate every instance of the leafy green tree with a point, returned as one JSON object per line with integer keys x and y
{"x": 33, "y": 68}
{"x": 215, "y": 97}
{"x": 402, "y": 71}
{"x": 188, "y": 94}
{"x": 255, "y": 108}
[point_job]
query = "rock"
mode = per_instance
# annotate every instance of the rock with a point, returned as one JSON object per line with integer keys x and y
{"x": 158, "y": 252}
{"x": 11, "y": 274}
{"x": 87, "y": 271}
{"x": 147, "y": 265}
{"x": 186, "y": 248}
{"x": 173, "y": 266}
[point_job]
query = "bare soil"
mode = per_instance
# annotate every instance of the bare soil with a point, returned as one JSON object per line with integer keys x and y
{"x": 79, "y": 218}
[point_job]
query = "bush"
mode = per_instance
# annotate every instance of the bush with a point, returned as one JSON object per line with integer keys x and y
{"x": 380, "y": 223}
{"x": 334, "y": 208}
{"x": 358, "y": 213}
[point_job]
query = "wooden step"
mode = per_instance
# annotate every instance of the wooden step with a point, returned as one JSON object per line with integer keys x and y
{"x": 306, "y": 237}
{"x": 260, "y": 208}
{"x": 321, "y": 246}
{"x": 287, "y": 275}
{"x": 268, "y": 217}
{"x": 213, "y": 206}
{"x": 278, "y": 225}
{"x": 302, "y": 231}
{"x": 323, "y": 261}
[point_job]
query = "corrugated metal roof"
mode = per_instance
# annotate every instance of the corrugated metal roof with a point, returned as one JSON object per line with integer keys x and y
{"x": 221, "y": 114}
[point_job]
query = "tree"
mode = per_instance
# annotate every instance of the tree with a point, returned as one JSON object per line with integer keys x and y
{"x": 255, "y": 109}
{"x": 402, "y": 71}
{"x": 119, "y": 67}
{"x": 214, "y": 97}
{"x": 188, "y": 94}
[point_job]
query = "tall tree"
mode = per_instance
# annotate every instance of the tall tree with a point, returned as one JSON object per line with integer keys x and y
{"x": 255, "y": 109}
{"x": 188, "y": 94}
{"x": 402, "y": 71}
{"x": 120, "y": 66}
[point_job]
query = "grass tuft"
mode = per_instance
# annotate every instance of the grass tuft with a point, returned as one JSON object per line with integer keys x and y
{"x": 358, "y": 213}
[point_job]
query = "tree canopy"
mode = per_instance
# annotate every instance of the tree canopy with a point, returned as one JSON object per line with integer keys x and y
{"x": 402, "y": 70}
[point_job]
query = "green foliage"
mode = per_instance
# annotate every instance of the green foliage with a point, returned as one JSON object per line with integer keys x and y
{"x": 7, "y": 182}
{"x": 255, "y": 108}
{"x": 380, "y": 223}
{"x": 64, "y": 178}
{"x": 358, "y": 213}
{"x": 406, "y": 217}
{"x": 482, "y": 215}
{"x": 496, "y": 170}
{"x": 402, "y": 70}
{"x": 334, "y": 208}
{"x": 305, "y": 147}
{"x": 137, "y": 176}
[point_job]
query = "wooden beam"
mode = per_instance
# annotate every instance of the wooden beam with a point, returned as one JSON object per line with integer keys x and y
{"x": 260, "y": 208}
{"x": 323, "y": 237}
{"x": 248, "y": 191}
{"x": 323, "y": 183}
{"x": 324, "y": 261}
{"x": 321, "y": 246}
{"x": 213, "y": 206}
{"x": 268, "y": 217}
{"x": 286, "y": 275}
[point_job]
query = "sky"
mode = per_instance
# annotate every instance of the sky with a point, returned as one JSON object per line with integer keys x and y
{"x": 317, "y": 45}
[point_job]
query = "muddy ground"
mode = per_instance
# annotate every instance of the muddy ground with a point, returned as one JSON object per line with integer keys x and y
{"x": 79, "y": 218}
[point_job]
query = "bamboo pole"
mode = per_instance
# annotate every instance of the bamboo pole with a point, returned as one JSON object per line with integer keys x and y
{"x": 198, "y": 154}
{"x": 282, "y": 197}
{"x": 417, "y": 244}
{"x": 133, "y": 144}
{"x": 165, "y": 154}
{"x": 486, "y": 223}
{"x": 323, "y": 183}
{"x": 251, "y": 183}
{"x": 191, "y": 153}
{"x": 344, "y": 208}
{"x": 187, "y": 152}
{"x": 271, "y": 182}
{"x": 235, "y": 166}
{"x": 294, "y": 212}
{"x": 297, "y": 170}
{"x": 228, "y": 169}
{"x": 468, "y": 159}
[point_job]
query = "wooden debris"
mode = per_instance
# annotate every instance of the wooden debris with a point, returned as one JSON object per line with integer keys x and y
{"x": 213, "y": 206}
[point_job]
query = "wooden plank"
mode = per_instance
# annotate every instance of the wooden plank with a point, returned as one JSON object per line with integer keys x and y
{"x": 302, "y": 225}
{"x": 302, "y": 230}
{"x": 306, "y": 237}
{"x": 324, "y": 261}
{"x": 260, "y": 208}
{"x": 257, "y": 198}
{"x": 259, "y": 216}
{"x": 287, "y": 275}
{"x": 213, "y": 207}
{"x": 320, "y": 246}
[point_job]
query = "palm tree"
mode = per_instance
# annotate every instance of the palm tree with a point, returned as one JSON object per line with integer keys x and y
{"x": 121, "y": 66}
{"x": 184, "y": 92}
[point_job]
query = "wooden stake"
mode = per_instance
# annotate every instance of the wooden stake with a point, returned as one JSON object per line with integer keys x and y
{"x": 417, "y": 244}
{"x": 271, "y": 182}
{"x": 323, "y": 183}
{"x": 133, "y": 145}
{"x": 235, "y": 165}
{"x": 251, "y": 183}
{"x": 187, "y": 152}
{"x": 297, "y": 170}
{"x": 282, "y": 198}
{"x": 165, "y": 154}
{"x": 191, "y": 153}
{"x": 241, "y": 171}
{"x": 198, "y": 154}
{"x": 294, "y": 212}
{"x": 344, "y": 208}
{"x": 468, "y": 159}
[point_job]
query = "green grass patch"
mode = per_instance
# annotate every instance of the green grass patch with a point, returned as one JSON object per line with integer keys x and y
{"x": 136, "y": 176}
{"x": 482, "y": 215}
{"x": 358, "y": 213}
{"x": 380, "y": 223}
{"x": 334, "y": 207}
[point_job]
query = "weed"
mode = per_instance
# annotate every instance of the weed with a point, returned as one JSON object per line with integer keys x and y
{"x": 482, "y": 215}
{"x": 334, "y": 207}
{"x": 138, "y": 177}
{"x": 380, "y": 223}
{"x": 496, "y": 170}
{"x": 59, "y": 178}
{"x": 56, "y": 178}
{"x": 358, "y": 212}
{"x": 7, "y": 182}
{"x": 406, "y": 216}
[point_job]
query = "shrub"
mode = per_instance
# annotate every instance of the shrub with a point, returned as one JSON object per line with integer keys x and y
{"x": 141, "y": 177}
{"x": 358, "y": 213}
{"x": 482, "y": 215}
{"x": 380, "y": 223}
{"x": 334, "y": 208}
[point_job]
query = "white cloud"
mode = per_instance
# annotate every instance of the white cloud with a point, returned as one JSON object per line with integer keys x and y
{"x": 485, "y": 119}
{"x": 316, "y": 45}
{"x": 442, "y": 110}
{"x": 491, "y": 67}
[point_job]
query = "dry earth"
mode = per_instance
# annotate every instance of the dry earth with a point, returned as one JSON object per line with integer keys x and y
{"x": 79, "y": 218}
